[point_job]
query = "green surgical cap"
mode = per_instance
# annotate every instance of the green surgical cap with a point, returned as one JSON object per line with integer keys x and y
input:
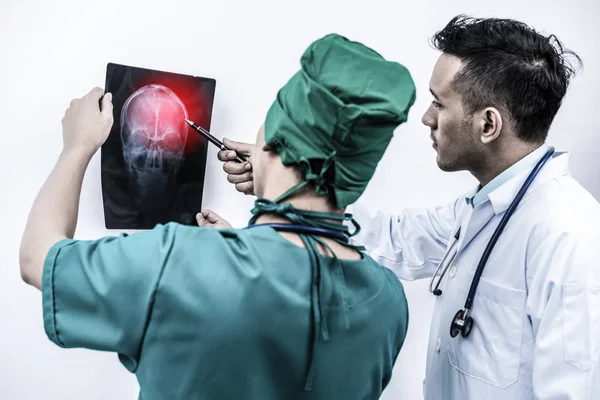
{"x": 340, "y": 110}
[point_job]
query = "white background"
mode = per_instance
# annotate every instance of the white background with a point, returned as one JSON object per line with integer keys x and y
{"x": 53, "y": 51}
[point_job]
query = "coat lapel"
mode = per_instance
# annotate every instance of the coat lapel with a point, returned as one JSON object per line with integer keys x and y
{"x": 473, "y": 221}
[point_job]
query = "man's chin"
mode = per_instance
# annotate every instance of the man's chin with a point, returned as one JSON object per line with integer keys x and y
{"x": 446, "y": 166}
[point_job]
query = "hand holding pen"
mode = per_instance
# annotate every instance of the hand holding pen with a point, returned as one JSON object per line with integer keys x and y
{"x": 214, "y": 140}
{"x": 238, "y": 174}
{"x": 236, "y": 157}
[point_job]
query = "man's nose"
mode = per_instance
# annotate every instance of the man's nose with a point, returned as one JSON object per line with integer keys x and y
{"x": 428, "y": 119}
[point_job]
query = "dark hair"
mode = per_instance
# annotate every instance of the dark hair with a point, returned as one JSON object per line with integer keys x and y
{"x": 510, "y": 66}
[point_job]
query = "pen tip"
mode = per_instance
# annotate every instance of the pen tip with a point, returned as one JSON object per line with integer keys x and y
{"x": 189, "y": 122}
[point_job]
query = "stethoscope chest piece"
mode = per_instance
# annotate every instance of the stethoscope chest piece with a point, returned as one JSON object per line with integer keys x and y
{"x": 462, "y": 323}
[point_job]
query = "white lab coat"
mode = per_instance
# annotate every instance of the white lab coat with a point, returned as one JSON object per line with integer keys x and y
{"x": 536, "y": 312}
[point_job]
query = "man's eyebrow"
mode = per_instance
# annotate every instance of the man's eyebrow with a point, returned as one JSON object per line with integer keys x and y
{"x": 433, "y": 93}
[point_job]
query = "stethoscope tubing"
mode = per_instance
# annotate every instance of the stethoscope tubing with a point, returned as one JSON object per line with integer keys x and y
{"x": 462, "y": 322}
{"x": 509, "y": 212}
{"x": 443, "y": 265}
{"x": 306, "y": 229}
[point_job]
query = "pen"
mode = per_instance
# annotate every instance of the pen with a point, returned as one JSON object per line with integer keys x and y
{"x": 213, "y": 139}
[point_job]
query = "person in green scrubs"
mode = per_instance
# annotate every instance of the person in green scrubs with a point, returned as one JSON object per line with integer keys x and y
{"x": 254, "y": 313}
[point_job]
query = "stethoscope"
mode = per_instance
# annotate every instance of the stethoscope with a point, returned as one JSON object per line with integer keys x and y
{"x": 462, "y": 321}
{"x": 305, "y": 229}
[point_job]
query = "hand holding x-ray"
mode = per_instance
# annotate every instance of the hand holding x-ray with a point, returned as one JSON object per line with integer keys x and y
{"x": 88, "y": 121}
{"x": 211, "y": 218}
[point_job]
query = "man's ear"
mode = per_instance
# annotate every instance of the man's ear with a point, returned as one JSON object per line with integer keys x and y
{"x": 490, "y": 123}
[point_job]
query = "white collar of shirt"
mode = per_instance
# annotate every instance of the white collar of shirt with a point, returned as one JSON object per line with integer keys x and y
{"x": 502, "y": 190}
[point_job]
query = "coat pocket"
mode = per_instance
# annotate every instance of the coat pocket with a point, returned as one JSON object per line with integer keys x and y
{"x": 581, "y": 325}
{"x": 492, "y": 352}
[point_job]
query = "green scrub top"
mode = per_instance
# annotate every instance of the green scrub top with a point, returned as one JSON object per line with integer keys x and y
{"x": 200, "y": 313}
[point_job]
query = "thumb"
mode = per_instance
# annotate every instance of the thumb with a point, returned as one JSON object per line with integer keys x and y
{"x": 201, "y": 220}
{"x": 107, "y": 105}
{"x": 95, "y": 94}
{"x": 239, "y": 147}
{"x": 210, "y": 216}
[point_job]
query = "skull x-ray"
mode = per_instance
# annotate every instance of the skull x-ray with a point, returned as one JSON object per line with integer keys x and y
{"x": 153, "y": 163}
{"x": 153, "y": 136}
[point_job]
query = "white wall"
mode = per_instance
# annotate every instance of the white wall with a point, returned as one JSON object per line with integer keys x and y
{"x": 53, "y": 51}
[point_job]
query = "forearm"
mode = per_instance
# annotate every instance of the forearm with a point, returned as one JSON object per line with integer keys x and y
{"x": 53, "y": 215}
{"x": 410, "y": 243}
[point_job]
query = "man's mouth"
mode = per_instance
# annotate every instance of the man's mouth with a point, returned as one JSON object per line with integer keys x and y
{"x": 434, "y": 143}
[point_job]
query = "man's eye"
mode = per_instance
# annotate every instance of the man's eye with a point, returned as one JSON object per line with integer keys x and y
{"x": 436, "y": 104}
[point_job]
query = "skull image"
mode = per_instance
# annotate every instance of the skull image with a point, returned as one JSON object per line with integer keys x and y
{"x": 153, "y": 137}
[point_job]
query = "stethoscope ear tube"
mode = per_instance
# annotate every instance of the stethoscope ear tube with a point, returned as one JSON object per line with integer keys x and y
{"x": 434, "y": 285}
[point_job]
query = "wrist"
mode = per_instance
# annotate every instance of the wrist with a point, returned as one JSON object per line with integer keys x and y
{"x": 78, "y": 152}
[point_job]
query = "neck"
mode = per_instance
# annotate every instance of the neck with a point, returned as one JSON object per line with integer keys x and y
{"x": 303, "y": 199}
{"x": 501, "y": 159}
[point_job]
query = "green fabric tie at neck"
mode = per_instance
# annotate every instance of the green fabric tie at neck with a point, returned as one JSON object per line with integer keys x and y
{"x": 331, "y": 221}
{"x": 319, "y": 180}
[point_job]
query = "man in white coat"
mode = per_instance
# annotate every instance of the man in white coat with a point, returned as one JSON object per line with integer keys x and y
{"x": 533, "y": 328}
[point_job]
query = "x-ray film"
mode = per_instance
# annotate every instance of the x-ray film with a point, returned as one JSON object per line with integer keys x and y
{"x": 153, "y": 163}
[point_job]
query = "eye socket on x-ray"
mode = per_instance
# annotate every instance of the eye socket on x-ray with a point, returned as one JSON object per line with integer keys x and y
{"x": 170, "y": 141}
{"x": 153, "y": 164}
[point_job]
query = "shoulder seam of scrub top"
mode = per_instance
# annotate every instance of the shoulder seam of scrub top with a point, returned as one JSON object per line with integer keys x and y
{"x": 367, "y": 261}
{"x": 148, "y": 318}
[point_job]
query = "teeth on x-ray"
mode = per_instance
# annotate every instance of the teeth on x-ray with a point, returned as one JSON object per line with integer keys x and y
{"x": 153, "y": 134}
